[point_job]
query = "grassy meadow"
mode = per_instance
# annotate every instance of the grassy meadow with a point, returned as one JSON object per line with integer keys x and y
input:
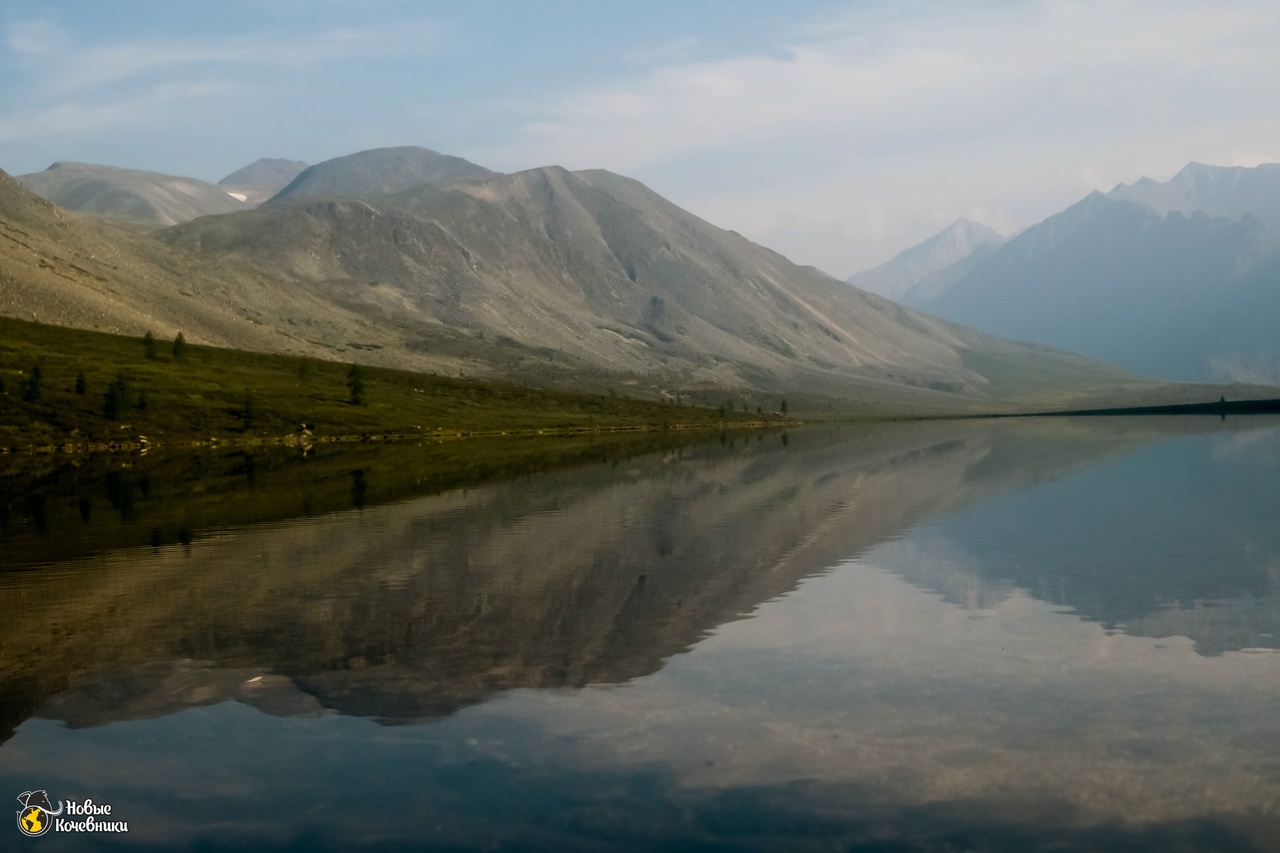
{"x": 68, "y": 386}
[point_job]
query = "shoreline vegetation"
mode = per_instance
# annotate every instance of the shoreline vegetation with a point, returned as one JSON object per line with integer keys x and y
{"x": 77, "y": 391}
{"x": 73, "y": 391}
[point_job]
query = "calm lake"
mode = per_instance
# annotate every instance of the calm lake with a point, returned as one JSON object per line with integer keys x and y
{"x": 1050, "y": 634}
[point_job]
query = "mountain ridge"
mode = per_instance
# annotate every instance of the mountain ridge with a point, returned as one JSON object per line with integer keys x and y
{"x": 601, "y": 267}
{"x": 145, "y": 199}
{"x": 378, "y": 171}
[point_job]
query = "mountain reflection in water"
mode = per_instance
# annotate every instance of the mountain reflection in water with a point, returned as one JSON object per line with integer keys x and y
{"x": 853, "y": 708}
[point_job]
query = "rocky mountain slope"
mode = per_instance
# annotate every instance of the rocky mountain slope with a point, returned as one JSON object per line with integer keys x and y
{"x": 1141, "y": 278}
{"x": 69, "y": 269}
{"x": 143, "y": 199}
{"x": 592, "y": 271}
{"x": 910, "y": 267}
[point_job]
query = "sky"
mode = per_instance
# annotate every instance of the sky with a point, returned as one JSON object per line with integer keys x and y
{"x": 838, "y": 133}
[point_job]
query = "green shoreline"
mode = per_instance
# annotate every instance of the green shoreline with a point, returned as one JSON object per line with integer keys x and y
{"x": 97, "y": 392}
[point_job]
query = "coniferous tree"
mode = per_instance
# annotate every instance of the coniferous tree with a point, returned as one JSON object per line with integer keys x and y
{"x": 113, "y": 400}
{"x": 179, "y": 344}
{"x": 82, "y": 384}
{"x": 116, "y": 398}
{"x": 149, "y": 344}
{"x": 355, "y": 384}
{"x": 784, "y": 407}
{"x": 31, "y": 387}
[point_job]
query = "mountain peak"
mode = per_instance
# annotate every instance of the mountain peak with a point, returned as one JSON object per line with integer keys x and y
{"x": 266, "y": 173}
{"x": 379, "y": 171}
{"x": 911, "y": 266}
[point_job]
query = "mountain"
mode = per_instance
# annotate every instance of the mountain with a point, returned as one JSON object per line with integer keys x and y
{"x": 954, "y": 243}
{"x": 1230, "y": 191}
{"x": 582, "y": 276}
{"x": 144, "y": 199}
{"x": 1136, "y": 278}
{"x": 381, "y": 170}
{"x": 938, "y": 282}
{"x": 75, "y": 270}
{"x": 261, "y": 179}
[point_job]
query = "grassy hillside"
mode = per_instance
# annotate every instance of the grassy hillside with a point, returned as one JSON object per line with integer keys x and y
{"x": 204, "y": 393}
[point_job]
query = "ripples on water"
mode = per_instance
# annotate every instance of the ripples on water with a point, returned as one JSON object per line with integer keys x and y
{"x": 1034, "y": 635}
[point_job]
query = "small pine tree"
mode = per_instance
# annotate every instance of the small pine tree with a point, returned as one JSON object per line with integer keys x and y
{"x": 784, "y": 407}
{"x": 722, "y": 410}
{"x": 82, "y": 384}
{"x": 31, "y": 387}
{"x": 355, "y": 384}
{"x": 179, "y": 344}
{"x": 113, "y": 400}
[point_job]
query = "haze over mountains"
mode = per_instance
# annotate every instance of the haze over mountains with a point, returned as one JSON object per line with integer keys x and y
{"x": 550, "y": 276}
{"x": 957, "y": 242}
{"x": 1177, "y": 280}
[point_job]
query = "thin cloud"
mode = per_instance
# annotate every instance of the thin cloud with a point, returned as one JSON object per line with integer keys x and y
{"x": 71, "y": 69}
{"x": 1077, "y": 62}
{"x": 139, "y": 109}
{"x": 36, "y": 38}
{"x": 1111, "y": 90}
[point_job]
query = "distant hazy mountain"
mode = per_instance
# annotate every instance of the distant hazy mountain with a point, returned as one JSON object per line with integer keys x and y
{"x": 936, "y": 283}
{"x": 146, "y": 199}
{"x": 262, "y": 179}
{"x": 266, "y": 173}
{"x": 1140, "y": 278}
{"x": 1230, "y": 191}
{"x": 957, "y": 241}
{"x": 381, "y": 170}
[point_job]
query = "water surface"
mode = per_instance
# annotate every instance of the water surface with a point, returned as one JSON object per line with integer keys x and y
{"x": 1048, "y": 634}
